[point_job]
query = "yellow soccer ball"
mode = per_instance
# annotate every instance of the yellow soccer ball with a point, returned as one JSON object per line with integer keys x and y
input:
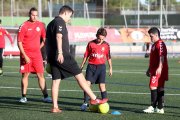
{"x": 103, "y": 108}
{"x": 48, "y": 68}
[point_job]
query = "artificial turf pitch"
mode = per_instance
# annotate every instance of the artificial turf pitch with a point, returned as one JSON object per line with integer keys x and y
{"x": 128, "y": 93}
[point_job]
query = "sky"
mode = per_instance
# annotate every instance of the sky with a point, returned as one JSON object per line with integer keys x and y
{"x": 143, "y": 1}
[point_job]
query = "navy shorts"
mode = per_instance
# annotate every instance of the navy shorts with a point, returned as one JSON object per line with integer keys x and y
{"x": 96, "y": 73}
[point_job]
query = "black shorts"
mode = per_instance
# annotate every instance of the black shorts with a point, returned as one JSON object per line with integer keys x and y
{"x": 67, "y": 69}
{"x": 96, "y": 73}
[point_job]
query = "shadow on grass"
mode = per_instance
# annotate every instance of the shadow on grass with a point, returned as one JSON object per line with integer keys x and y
{"x": 11, "y": 75}
{"x": 130, "y": 109}
{"x": 18, "y": 75}
{"x": 13, "y": 103}
{"x": 71, "y": 104}
{"x": 135, "y": 109}
{"x": 34, "y": 104}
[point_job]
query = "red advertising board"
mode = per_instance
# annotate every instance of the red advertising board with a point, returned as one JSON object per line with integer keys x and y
{"x": 87, "y": 33}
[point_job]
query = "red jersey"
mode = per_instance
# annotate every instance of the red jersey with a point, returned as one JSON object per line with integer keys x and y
{"x": 158, "y": 49}
{"x": 97, "y": 53}
{"x": 29, "y": 34}
{"x": 4, "y": 32}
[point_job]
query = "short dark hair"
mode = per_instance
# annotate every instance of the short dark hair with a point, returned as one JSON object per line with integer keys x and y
{"x": 154, "y": 30}
{"x": 32, "y": 9}
{"x": 0, "y": 21}
{"x": 101, "y": 31}
{"x": 65, "y": 8}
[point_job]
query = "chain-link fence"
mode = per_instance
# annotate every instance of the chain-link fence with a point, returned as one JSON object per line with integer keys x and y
{"x": 111, "y": 12}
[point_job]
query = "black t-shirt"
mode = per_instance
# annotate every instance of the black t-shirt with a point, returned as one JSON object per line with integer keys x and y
{"x": 57, "y": 25}
{"x": 69, "y": 67}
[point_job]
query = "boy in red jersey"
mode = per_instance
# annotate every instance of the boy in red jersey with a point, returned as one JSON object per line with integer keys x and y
{"x": 3, "y": 32}
{"x": 157, "y": 71}
{"x": 97, "y": 51}
{"x": 31, "y": 61}
{"x": 62, "y": 63}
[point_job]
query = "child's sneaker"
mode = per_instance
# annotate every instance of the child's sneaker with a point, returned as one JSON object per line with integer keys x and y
{"x": 47, "y": 100}
{"x": 84, "y": 106}
{"x": 23, "y": 100}
{"x": 150, "y": 109}
{"x": 160, "y": 111}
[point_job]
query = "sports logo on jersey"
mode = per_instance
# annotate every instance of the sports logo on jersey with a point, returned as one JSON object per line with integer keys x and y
{"x": 60, "y": 28}
{"x": 22, "y": 67}
{"x": 154, "y": 79}
{"x": 20, "y": 27}
{"x": 161, "y": 47}
{"x": 102, "y": 48}
{"x": 97, "y": 55}
{"x": 37, "y": 29}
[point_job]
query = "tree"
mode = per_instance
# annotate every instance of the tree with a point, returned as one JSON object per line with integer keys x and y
{"x": 155, "y": 4}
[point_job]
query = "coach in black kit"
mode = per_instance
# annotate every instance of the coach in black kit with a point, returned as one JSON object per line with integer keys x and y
{"x": 62, "y": 63}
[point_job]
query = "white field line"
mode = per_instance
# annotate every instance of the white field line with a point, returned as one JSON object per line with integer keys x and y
{"x": 111, "y": 92}
{"x": 11, "y": 66}
{"x": 84, "y": 70}
{"x": 114, "y": 71}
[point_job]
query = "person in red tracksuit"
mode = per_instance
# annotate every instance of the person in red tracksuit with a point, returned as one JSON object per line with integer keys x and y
{"x": 3, "y": 32}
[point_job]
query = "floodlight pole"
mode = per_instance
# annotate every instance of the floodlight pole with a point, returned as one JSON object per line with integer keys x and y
{"x": 103, "y": 13}
{"x": 125, "y": 17}
{"x": 40, "y": 9}
{"x": 87, "y": 11}
{"x": 138, "y": 22}
{"x": 161, "y": 14}
{"x": 73, "y": 7}
{"x": 12, "y": 11}
{"x": 84, "y": 9}
{"x": 50, "y": 8}
{"x": 148, "y": 6}
{"x": 2, "y": 12}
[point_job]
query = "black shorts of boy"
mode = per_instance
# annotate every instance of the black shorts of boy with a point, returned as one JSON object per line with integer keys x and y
{"x": 67, "y": 69}
{"x": 96, "y": 74}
